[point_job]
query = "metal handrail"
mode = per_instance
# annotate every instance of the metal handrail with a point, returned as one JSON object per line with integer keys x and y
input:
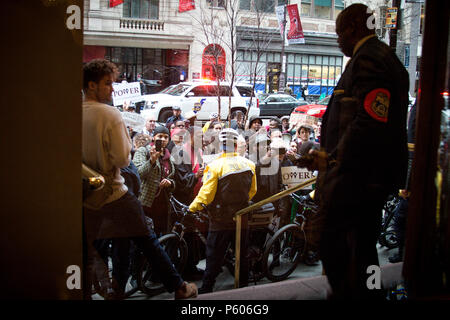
{"x": 240, "y": 213}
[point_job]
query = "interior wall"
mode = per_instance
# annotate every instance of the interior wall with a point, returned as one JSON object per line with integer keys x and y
{"x": 40, "y": 198}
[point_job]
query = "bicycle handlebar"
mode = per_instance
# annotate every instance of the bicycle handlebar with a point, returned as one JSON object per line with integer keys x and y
{"x": 184, "y": 209}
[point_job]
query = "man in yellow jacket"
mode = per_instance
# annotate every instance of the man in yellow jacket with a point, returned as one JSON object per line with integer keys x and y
{"x": 229, "y": 182}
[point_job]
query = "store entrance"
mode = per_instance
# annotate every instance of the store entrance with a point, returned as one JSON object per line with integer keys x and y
{"x": 273, "y": 76}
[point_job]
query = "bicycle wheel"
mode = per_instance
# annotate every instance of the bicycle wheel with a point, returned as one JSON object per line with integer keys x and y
{"x": 283, "y": 252}
{"x": 389, "y": 239}
{"x": 177, "y": 250}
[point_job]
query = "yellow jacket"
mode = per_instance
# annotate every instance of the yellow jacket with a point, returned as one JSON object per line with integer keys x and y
{"x": 232, "y": 176}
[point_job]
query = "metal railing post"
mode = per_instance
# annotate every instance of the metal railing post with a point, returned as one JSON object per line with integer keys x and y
{"x": 240, "y": 213}
{"x": 237, "y": 250}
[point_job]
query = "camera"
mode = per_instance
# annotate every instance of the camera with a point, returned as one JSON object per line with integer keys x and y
{"x": 158, "y": 145}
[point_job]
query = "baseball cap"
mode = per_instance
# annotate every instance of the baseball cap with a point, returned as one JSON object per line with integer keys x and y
{"x": 213, "y": 115}
{"x": 176, "y": 108}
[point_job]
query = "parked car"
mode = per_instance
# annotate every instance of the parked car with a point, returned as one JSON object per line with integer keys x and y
{"x": 279, "y": 105}
{"x": 316, "y": 109}
{"x": 198, "y": 96}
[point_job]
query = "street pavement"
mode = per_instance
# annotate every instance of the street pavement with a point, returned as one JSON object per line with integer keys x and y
{"x": 225, "y": 281}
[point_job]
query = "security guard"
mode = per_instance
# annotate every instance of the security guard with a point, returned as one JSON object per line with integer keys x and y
{"x": 229, "y": 182}
{"x": 364, "y": 154}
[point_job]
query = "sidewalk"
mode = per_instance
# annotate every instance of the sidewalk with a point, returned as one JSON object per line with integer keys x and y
{"x": 305, "y": 283}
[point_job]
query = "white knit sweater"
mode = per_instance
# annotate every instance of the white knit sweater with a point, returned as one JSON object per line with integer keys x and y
{"x": 106, "y": 143}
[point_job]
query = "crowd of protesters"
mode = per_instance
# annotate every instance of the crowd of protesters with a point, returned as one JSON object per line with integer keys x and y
{"x": 188, "y": 145}
{"x": 174, "y": 158}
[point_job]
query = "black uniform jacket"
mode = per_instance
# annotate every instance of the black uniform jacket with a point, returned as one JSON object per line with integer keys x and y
{"x": 364, "y": 126}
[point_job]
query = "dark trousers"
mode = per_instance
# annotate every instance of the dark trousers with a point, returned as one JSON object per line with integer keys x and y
{"x": 217, "y": 244}
{"x": 348, "y": 247}
{"x": 121, "y": 221}
{"x": 120, "y": 257}
{"x": 400, "y": 214}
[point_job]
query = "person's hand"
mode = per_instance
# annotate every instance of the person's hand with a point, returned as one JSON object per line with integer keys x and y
{"x": 199, "y": 173}
{"x": 320, "y": 160}
{"x": 154, "y": 155}
{"x": 403, "y": 193}
{"x": 292, "y": 155}
{"x": 165, "y": 183}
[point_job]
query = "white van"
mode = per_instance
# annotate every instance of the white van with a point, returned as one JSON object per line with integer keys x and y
{"x": 198, "y": 96}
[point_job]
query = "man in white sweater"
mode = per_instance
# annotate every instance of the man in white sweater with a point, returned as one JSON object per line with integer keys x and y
{"x": 118, "y": 214}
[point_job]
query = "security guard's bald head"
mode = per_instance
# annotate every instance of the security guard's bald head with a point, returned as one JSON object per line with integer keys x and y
{"x": 352, "y": 25}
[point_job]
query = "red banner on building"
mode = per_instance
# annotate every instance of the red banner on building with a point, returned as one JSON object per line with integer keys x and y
{"x": 295, "y": 33}
{"x": 113, "y": 3}
{"x": 186, "y": 5}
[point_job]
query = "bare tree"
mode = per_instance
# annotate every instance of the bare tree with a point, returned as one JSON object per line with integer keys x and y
{"x": 218, "y": 28}
{"x": 210, "y": 23}
{"x": 260, "y": 39}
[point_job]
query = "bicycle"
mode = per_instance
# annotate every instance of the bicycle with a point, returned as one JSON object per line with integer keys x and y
{"x": 387, "y": 236}
{"x": 262, "y": 227}
{"x": 288, "y": 245}
{"x": 174, "y": 245}
{"x": 260, "y": 223}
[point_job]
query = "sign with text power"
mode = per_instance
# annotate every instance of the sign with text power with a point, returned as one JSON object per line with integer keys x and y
{"x": 293, "y": 175}
{"x": 125, "y": 91}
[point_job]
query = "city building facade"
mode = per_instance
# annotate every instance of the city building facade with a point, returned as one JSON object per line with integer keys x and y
{"x": 157, "y": 40}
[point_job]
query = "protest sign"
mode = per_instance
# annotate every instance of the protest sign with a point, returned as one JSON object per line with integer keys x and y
{"x": 125, "y": 91}
{"x": 297, "y": 119}
{"x": 294, "y": 175}
{"x": 134, "y": 121}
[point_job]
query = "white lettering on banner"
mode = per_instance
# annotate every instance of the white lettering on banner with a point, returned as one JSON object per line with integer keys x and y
{"x": 294, "y": 175}
{"x": 125, "y": 91}
{"x": 374, "y": 280}
{"x": 74, "y": 20}
{"x": 74, "y": 280}
{"x": 134, "y": 121}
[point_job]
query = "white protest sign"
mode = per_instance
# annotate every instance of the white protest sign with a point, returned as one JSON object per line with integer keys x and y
{"x": 298, "y": 119}
{"x": 134, "y": 121}
{"x": 125, "y": 91}
{"x": 293, "y": 175}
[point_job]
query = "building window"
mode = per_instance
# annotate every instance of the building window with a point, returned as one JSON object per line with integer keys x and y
{"x": 261, "y": 5}
{"x": 338, "y": 7}
{"x": 216, "y": 3}
{"x": 318, "y": 72}
{"x": 305, "y": 8}
{"x": 245, "y": 4}
{"x": 322, "y": 9}
{"x": 142, "y": 9}
{"x": 213, "y": 62}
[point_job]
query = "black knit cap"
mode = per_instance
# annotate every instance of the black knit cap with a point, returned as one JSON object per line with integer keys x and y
{"x": 160, "y": 129}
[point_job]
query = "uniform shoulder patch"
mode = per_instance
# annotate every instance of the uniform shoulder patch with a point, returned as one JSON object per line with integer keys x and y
{"x": 376, "y": 104}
